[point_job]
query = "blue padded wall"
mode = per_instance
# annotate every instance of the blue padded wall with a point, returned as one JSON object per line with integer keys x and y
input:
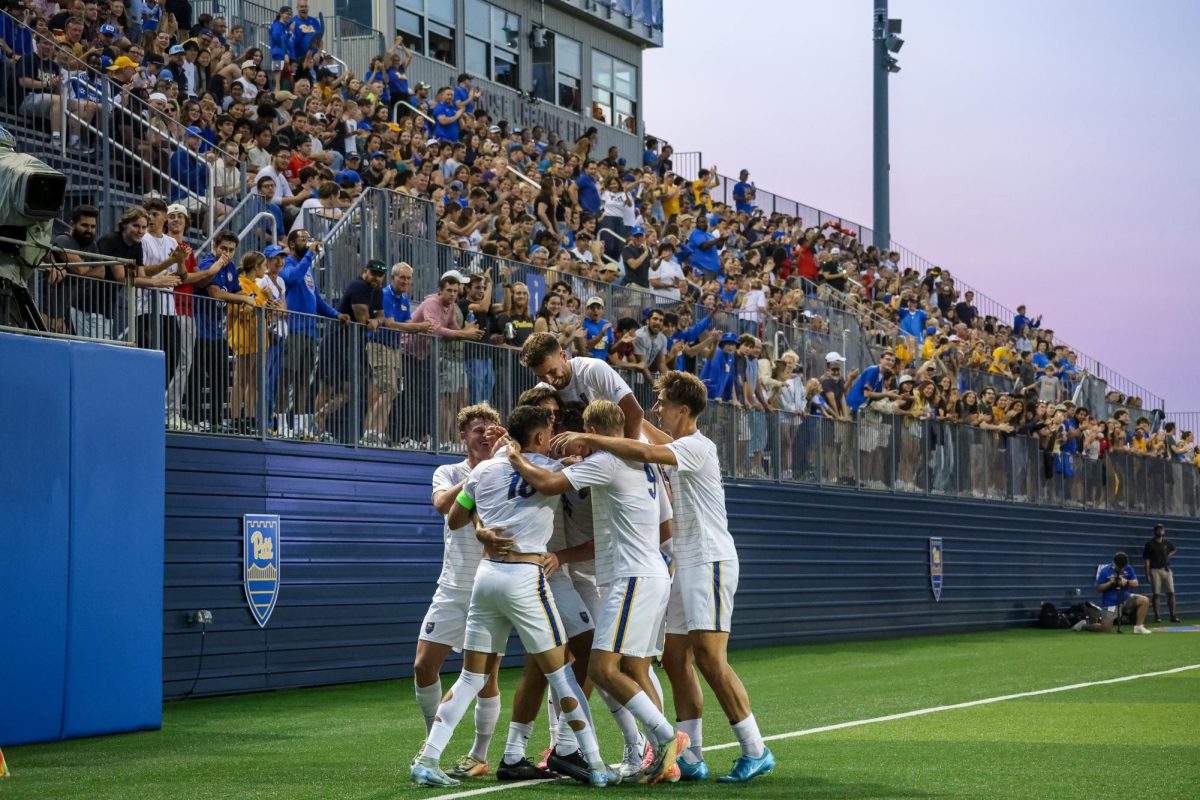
{"x": 114, "y": 629}
{"x": 34, "y": 540}
{"x": 81, "y": 542}
{"x": 361, "y": 550}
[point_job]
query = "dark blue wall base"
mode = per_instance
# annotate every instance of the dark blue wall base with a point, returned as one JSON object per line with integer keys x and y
{"x": 361, "y": 550}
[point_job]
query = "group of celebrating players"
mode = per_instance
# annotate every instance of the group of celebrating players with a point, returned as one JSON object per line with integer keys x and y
{"x": 604, "y": 541}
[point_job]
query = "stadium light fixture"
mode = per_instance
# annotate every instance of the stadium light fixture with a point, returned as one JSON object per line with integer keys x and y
{"x": 885, "y": 41}
{"x": 894, "y": 42}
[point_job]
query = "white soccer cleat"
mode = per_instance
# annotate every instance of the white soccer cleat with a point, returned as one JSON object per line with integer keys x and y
{"x": 1141, "y": 629}
{"x": 634, "y": 759}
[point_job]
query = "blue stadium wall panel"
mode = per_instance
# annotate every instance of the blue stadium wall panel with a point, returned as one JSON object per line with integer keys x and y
{"x": 81, "y": 547}
{"x": 361, "y": 550}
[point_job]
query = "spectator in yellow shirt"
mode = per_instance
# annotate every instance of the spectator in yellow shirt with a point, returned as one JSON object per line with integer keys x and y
{"x": 1002, "y": 359}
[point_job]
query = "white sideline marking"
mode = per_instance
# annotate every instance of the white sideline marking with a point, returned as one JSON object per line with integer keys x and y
{"x": 859, "y": 722}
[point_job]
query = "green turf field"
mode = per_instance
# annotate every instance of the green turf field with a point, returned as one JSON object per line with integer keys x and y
{"x": 1134, "y": 739}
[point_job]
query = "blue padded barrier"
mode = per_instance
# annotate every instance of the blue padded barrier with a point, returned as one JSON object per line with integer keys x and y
{"x": 34, "y": 516}
{"x": 114, "y": 620}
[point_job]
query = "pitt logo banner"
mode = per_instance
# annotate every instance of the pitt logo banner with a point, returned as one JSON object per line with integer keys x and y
{"x": 935, "y": 566}
{"x": 260, "y": 561}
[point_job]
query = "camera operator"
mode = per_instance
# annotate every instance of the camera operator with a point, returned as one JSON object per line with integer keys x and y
{"x": 1114, "y": 581}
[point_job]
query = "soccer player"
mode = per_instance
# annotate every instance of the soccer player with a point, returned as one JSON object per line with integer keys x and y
{"x": 634, "y": 581}
{"x": 445, "y": 622}
{"x": 583, "y": 379}
{"x": 577, "y": 620}
{"x": 706, "y": 571}
{"x": 510, "y": 590}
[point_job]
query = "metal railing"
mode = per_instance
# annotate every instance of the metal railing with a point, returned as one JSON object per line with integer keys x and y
{"x": 248, "y": 367}
{"x": 688, "y": 164}
{"x": 126, "y": 149}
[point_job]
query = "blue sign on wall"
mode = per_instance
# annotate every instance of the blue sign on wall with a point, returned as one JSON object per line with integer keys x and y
{"x": 260, "y": 561}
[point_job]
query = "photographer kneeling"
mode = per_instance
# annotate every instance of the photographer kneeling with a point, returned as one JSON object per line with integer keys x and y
{"x": 1114, "y": 581}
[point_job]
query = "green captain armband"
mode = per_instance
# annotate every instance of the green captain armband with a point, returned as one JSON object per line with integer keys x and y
{"x": 465, "y": 501}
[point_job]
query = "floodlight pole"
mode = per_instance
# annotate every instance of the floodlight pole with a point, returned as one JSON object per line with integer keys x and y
{"x": 882, "y": 216}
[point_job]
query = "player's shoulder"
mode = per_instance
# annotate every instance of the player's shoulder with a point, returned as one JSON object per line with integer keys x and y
{"x": 453, "y": 472}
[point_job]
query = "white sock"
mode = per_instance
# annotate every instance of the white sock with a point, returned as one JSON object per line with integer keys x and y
{"x": 694, "y": 728}
{"x": 626, "y": 722}
{"x": 429, "y": 698}
{"x": 487, "y": 711}
{"x": 749, "y": 738}
{"x": 653, "y": 721}
{"x": 662, "y": 698}
{"x": 564, "y": 688}
{"x": 518, "y": 741}
{"x": 565, "y": 742}
{"x": 552, "y": 716}
{"x": 450, "y": 713}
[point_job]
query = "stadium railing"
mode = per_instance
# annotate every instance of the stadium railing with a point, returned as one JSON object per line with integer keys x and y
{"x": 253, "y": 369}
{"x": 688, "y": 164}
{"x": 131, "y": 144}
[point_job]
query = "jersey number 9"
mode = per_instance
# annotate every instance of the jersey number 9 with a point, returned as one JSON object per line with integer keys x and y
{"x": 653, "y": 481}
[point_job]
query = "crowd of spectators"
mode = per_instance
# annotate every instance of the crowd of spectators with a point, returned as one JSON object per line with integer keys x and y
{"x": 705, "y": 283}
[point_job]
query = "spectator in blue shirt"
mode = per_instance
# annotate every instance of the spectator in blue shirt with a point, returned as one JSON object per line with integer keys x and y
{"x": 392, "y": 315}
{"x": 598, "y": 332}
{"x": 446, "y": 115}
{"x": 912, "y": 320}
{"x": 1041, "y": 359}
{"x": 871, "y": 382}
{"x": 306, "y": 33}
{"x": 212, "y": 349}
{"x": 304, "y": 303}
{"x": 189, "y": 172}
{"x": 1021, "y": 321}
{"x": 1114, "y": 581}
{"x": 465, "y": 95}
{"x": 744, "y": 192}
{"x": 705, "y": 248}
{"x": 718, "y": 373}
{"x": 684, "y": 338}
{"x": 589, "y": 192}
{"x": 281, "y": 39}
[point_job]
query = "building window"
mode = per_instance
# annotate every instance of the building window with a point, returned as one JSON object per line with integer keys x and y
{"x": 558, "y": 70}
{"x": 493, "y": 43}
{"x": 428, "y": 27}
{"x": 614, "y": 92}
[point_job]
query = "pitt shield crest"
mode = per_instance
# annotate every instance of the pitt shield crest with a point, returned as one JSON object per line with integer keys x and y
{"x": 935, "y": 567}
{"x": 260, "y": 564}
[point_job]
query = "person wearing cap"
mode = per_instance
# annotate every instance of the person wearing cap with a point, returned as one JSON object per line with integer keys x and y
{"x": 635, "y": 255}
{"x": 274, "y": 293}
{"x": 833, "y": 387}
{"x": 598, "y": 331}
{"x": 420, "y": 99}
{"x": 246, "y": 81}
{"x": 718, "y": 372}
{"x": 1156, "y": 554}
{"x": 379, "y": 174}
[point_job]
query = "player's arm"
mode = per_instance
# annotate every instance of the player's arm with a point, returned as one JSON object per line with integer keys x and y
{"x": 656, "y": 436}
{"x": 543, "y": 481}
{"x": 630, "y": 449}
{"x": 443, "y": 499}
{"x": 634, "y": 416}
{"x": 461, "y": 510}
{"x": 580, "y": 552}
{"x": 664, "y": 531}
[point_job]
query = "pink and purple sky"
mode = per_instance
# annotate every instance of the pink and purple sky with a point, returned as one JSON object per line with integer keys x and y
{"x": 1046, "y": 153}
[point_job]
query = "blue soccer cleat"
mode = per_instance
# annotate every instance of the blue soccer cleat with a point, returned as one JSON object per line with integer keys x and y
{"x": 747, "y": 768}
{"x": 600, "y": 778}
{"x": 423, "y": 775}
{"x": 697, "y": 771}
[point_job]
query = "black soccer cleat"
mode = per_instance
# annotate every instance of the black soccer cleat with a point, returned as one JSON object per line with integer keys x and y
{"x": 573, "y": 766}
{"x": 523, "y": 770}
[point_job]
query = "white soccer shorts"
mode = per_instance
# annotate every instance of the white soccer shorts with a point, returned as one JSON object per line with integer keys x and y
{"x": 510, "y": 594}
{"x": 576, "y": 616}
{"x": 702, "y": 597}
{"x": 446, "y": 620}
{"x": 631, "y": 617}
